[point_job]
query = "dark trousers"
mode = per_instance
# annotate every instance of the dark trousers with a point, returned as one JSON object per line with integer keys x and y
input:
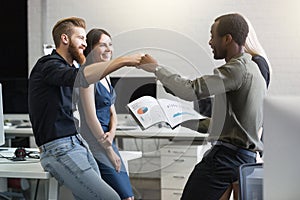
{"x": 214, "y": 173}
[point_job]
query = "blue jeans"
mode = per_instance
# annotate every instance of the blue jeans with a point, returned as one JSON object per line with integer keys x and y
{"x": 70, "y": 161}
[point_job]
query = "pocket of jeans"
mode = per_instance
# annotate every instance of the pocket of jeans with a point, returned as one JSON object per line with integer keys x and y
{"x": 62, "y": 149}
{"x": 76, "y": 160}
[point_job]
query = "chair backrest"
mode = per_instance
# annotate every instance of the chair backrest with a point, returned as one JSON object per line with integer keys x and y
{"x": 251, "y": 181}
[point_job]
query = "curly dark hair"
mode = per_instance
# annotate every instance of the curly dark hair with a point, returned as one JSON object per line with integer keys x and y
{"x": 235, "y": 25}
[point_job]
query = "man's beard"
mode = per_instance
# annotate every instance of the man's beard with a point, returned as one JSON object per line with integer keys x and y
{"x": 76, "y": 55}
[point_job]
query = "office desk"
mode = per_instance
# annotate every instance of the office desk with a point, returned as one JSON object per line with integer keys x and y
{"x": 152, "y": 132}
{"x": 30, "y": 169}
{"x": 11, "y": 132}
{"x": 179, "y": 134}
{"x": 19, "y": 132}
{"x": 183, "y": 151}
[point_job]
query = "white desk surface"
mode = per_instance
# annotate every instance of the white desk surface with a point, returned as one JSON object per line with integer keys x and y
{"x": 12, "y": 130}
{"x": 179, "y": 133}
{"x": 30, "y": 168}
{"x": 152, "y": 132}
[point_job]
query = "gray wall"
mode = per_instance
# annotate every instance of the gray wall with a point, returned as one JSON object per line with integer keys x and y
{"x": 176, "y": 32}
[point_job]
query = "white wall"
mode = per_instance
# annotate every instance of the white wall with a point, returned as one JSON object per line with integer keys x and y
{"x": 176, "y": 32}
{"x": 276, "y": 23}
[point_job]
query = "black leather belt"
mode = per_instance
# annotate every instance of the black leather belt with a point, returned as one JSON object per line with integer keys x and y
{"x": 235, "y": 148}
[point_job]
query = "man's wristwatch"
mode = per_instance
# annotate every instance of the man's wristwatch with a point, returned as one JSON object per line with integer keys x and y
{"x": 157, "y": 68}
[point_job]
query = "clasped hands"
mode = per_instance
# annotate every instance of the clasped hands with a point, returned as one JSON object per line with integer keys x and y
{"x": 106, "y": 141}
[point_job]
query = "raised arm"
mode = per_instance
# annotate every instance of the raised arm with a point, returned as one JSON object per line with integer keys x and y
{"x": 97, "y": 71}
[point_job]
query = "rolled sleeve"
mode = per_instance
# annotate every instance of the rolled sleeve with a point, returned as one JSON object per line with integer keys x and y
{"x": 80, "y": 79}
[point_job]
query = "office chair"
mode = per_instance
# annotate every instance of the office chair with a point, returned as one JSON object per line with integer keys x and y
{"x": 251, "y": 181}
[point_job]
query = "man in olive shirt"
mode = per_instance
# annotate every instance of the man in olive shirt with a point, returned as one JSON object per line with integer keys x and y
{"x": 238, "y": 88}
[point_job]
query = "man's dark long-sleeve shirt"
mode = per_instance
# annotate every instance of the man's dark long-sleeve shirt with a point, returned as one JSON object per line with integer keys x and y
{"x": 50, "y": 92}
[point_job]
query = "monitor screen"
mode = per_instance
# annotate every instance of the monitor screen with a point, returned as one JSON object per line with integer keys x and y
{"x": 2, "y": 136}
{"x": 15, "y": 95}
{"x": 14, "y": 62}
{"x": 281, "y": 140}
{"x": 131, "y": 88}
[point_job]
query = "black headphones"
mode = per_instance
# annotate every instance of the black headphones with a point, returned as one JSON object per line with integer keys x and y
{"x": 21, "y": 153}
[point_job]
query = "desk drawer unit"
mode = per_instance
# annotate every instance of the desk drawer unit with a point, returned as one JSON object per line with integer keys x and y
{"x": 177, "y": 162}
{"x": 179, "y": 150}
{"x": 168, "y": 194}
{"x": 174, "y": 180}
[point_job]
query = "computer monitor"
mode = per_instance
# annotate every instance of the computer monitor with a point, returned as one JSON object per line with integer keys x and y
{"x": 281, "y": 141}
{"x": 131, "y": 88}
{"x": 2, "y": 136}
{"x": 15, "y": 98}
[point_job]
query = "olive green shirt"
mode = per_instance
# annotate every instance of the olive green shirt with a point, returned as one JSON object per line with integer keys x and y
{"x": 238, "y": 89}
